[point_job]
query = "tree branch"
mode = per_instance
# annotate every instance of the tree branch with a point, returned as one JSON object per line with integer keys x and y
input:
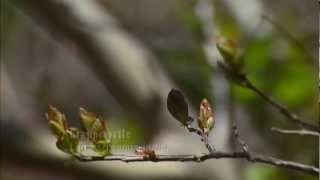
{"x": 213, "y": 154}
{"x": 282, "y": 108}
{"x": 200, "y": 158}
{"x": 301, "y": 132}
{"x": 236, "y": 135}
{"x": 204, "y": 138}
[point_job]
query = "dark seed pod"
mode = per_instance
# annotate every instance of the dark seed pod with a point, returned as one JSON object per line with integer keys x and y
{"x": 178, "y": 106}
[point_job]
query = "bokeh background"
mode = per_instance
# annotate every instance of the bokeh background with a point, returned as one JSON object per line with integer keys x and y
{"x": 120, "y": 58}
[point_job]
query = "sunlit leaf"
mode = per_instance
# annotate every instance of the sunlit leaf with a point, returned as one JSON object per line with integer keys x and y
{"x": 68, "y": 142}
{"x": 96, "y": 129}
{"x": 56, "y": 128}
{"x": 55, "y": 115}
{"x": 67, "y": 138}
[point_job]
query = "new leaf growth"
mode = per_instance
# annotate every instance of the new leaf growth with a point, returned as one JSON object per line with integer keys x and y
{"x": 205, "y": 119}
{"x": 68, "y": 138}
{"x": 96, "y": 129}
{"x": 233, "y": 62}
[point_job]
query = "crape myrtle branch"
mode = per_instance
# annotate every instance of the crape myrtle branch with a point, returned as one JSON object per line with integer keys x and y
{"x": 200, "y": 158}
{"x": 236, "y": 135}
{"x": 204, "y": 138}
{"x": 67, "y": 140}
{"x": 271, "y": 160}
{"x": 244, "y": 154}
{"x": 232, "y": 66}
{"x": 301, "y": 132}
{"x": 235, "y": 75}
{"x": 282, "y": 108}
{"x": 178, "y": 108}
{"x": 213, "y": 154}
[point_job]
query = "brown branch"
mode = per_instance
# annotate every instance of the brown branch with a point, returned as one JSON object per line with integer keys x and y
{"x": 200, "y": 158}
{"x": 282, "y": 108}
{"x": 301, "y": 132}
{"x": 213, "y": 154}
{"x": 236, "y": 135}
{"x": 270, "y": 160}
{"x": 204, "y": 138}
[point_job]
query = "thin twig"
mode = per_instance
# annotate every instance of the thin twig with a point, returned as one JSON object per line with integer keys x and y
{"x": 236, "y": 135}
{"x": 213, "y": 154}
{"x": 200, "y": 158}
{"x": 301, "y": 132}
{"x": 282, "y": 108}
{"x": 234, "y": 126}
{"x": 204, "y": 138}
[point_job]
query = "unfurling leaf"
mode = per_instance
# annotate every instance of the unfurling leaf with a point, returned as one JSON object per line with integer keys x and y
{"x": 69, "y": 142}
{"x": 205, "y": 119}
{"x": 57, "y": 121}
{"x": 97, "y": 131}
{"x": 56, "y": 128}
{"x": 178, "y": 106}
{"x": 67, "y": 138}
{"x": 93, "y": 124}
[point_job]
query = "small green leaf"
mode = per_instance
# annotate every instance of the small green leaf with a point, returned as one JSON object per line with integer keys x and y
{"x": 56, "y": 128}
{"x": 96, "y": 129}
{"x": 103, "y": 147}
{"x": 68, "y": 142}
{"x": 178, "y": 106}
{"x": 67, "y": 138}
{"x": 95, "y": 126}
{"x": 55, "y": 115}
{"x": 87, "y": 118}
{"x": 56, "y": 121}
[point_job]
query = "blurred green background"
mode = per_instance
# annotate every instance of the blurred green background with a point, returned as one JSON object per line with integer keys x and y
{"x": 40, "y": 67}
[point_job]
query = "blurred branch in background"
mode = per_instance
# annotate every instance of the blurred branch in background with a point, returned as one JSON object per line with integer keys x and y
{"x": 286, "y": 34}
{"x": 301, "y": 132}
{"x": 118, "y": 60}
{"x": 282, "y": 108}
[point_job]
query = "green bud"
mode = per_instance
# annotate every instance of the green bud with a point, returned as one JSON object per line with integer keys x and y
{"x": 56, "y": 128}
{"x": 54, "y": 115}
{"x": 205, "y": 120}
{"x": 178, "y": 106}
{"x": 68, "y": 142}
{"x": 230, "y": 53}
{"x": 67, "y": 138}
{"x": 97, "y": 131}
